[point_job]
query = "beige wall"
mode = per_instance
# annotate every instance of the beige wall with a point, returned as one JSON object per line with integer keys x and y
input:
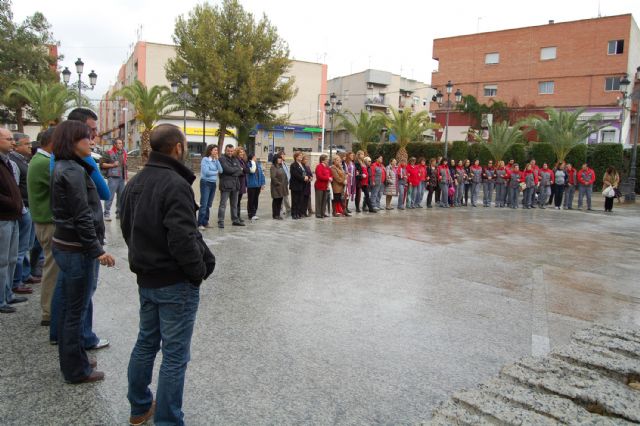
{"x": 303, "y": 107}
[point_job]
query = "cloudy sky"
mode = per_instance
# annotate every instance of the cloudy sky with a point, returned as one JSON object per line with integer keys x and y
{"x": 349, "y": 35}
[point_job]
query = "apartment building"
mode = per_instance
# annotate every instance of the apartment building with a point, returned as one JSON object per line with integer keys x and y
{"x": 376, "y": 91}
{"x": 147, "y": 64}
{"x": 562, "y": 65}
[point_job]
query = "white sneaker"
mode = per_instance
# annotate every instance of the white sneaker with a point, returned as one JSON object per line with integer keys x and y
{"x": 102, "y": 343}
{"x": 201, "y": 228}
{"x": 255, "y": 218}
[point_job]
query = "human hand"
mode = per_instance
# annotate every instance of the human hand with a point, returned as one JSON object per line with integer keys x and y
{"x": 107, "y": 260}
{"x": 116, "y": 164}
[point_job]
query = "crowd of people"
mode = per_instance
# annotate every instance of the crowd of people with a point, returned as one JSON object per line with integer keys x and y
{"x": 52, "y": 233}
{"x": 354, "y": 179}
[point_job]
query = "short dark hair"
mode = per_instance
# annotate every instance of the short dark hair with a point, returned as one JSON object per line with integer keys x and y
{"x": 209, "y": 149}
{"x": 65, "y": 137}
{"x": 229, "y": 145}
{"x": 165, "y": 137}
{"x": 82, "y": 114}
{"x": 44, "y": 137}
{"x": 275, "y": 158}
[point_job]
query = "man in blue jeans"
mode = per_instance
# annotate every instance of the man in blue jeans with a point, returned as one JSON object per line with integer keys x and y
{"x": 170, "y": 259}
{"x": 116, "y": 170}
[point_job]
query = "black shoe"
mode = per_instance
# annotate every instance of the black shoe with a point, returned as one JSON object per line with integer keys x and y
{"x": 238, "y": 224}
{"x": 18, "y": 299}
{"x": 358, "y": 211}
{"x": 45, "y": 323}
{"x": 7, "y": 310}
{"x": 221, "y": 225}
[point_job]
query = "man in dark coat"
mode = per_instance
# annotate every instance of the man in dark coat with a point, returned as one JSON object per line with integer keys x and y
{"x": 229, "y": 186}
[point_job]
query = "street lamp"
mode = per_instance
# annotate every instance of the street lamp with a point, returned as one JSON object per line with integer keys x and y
{"x": 624, "y": 85}
{"x": 185, "y": 97}
{"x": 93, "y": 78}
{"x": 126, "y": 126}
{"x": 630, "y": 186}
{"x": 332, "y": 107}
{"x": 438, "y": 98}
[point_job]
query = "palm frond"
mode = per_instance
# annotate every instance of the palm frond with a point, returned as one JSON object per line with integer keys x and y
{"x": 47, "y": 102}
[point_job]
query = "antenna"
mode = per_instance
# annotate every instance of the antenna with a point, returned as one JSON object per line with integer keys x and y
{"x": 599, "y": 10}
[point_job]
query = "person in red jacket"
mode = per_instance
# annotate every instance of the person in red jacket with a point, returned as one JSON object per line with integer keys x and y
{"x": 323, "y": 178}
{"x": 413, "y": 179}
{"x": 422, "y": 175}
{"x": 530, "y": 180}
{"x": 365, "y": 182}
{"x": 572, "y": 182}
{"x": 586, "y": 179}
{"x": 508, "y": 168}
{"x": 377, "y": 179}
{"x": 444, "y": 180}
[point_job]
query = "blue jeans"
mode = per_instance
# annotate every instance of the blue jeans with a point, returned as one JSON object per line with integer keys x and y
{"x": 167, "y": 317}
{"x": 26, "y": 231}
{"x": 8, "y": 256}
{"x": 116, "y": 186}
{"x": 89, "y": 338}
{"x": 207, "y": 194}
{"x": 77, "y": 272}
{"x": 402, "y": 187}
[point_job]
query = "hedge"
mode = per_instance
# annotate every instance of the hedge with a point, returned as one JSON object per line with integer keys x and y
{"x": 577, "y": 156}
{"x": 542, "y": 152}
{"x": 518, "y": 153}
{"x": 626, "y": 161}
{"x": 459, "y": 151}
{"x": 603, "y": 156}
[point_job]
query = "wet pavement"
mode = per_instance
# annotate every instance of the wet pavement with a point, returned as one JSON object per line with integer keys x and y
{"x": 362, "y": 320}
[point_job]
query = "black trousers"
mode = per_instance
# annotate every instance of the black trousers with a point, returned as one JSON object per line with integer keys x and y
{"x": 276, "y": 207}
{"x": 608, "y": 203}
{"x": 253, "y": 194}
{"x": 239, "y": 199}
{"x": 430, "y": 192}
{"x": 467, "y": 187}
{"x": 297, "y": 203}
{"x": 358, "y": 195}
{"x": 367, "y": 198}
{"x": 437, "y": 191}
{"x": 557, "y": 195}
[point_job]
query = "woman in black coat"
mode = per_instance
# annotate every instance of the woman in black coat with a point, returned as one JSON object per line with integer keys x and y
{"x": 298, "y": 180}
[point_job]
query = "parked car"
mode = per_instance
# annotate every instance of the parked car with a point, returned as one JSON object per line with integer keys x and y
{"x": 134, "y": 153}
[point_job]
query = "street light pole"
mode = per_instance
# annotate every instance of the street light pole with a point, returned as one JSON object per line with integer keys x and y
{"x": 66, "y": 76}
{"x": 438, "y": 99}
{"x": 332, "y": 106}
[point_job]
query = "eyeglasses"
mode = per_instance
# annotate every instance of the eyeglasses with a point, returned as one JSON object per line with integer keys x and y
{"x": 8, "y": 139}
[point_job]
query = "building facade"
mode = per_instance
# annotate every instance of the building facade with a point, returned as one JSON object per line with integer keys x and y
{"x": 147, "y": 64}
{"x": 575, "y": 64}
{"x": 377, "y": 91}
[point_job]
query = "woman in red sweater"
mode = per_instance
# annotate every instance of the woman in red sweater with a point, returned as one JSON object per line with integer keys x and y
{"x": 323, "y": 178}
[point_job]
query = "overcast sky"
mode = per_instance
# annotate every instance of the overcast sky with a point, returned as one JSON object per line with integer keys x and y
{"x": 349, "y": 35}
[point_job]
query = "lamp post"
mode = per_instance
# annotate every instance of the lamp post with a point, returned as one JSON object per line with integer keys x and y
{"x": 438, "y": 98}
{"x": 185, "y": 97}
{"x": 624, "y": 85}
{"x": 332, "y": 107}
{"x": 66, "y": 76}
{"x": 629, "y": 187}
{"x": 126, "y": 127}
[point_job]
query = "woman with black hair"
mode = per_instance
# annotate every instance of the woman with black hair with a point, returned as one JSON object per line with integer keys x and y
{"x": 255, "y": 184}
{"x": 77, "y": 245}
{"x": 279, "y": 187}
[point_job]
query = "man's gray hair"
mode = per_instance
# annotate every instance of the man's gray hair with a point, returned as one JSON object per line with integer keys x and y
{"x": 19, "y": 136}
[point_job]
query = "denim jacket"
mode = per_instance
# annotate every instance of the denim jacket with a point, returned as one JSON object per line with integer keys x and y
{"x": 255, "y": 178}
{"x": 209, "y": 170}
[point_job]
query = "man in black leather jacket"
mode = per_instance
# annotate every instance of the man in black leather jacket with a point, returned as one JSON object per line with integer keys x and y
{"x": 170, "y": 259}
{"x": 229, "y": 186}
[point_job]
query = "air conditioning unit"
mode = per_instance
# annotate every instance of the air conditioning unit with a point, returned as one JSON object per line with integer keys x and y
{"x": 13, "y": 127}
{"x": 369, "y": 85}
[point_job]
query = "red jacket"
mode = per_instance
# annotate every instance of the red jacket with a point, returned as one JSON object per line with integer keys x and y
{"x": 374, "y": 167}
{"x": 447, "y": 173}
{"x": 572, "y": 176}
{"x": 552, "y": 176}
{"x": 413, "y": 174}
{"x": 527, "y": 173}
{"x": 590, "y": 176}
{"x": 323, "y": 173}
{"x": 423, "y": 172}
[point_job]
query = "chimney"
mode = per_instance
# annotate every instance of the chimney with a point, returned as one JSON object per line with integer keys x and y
{"x": 551, "y": 22}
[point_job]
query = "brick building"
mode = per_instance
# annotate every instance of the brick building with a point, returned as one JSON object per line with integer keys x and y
{"x": 563, "y": 65}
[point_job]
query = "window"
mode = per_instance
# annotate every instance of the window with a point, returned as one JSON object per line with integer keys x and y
{"x": 491, "y": 90}
{"x": 492, "y": 58}
{"x": 302, "y": 135}
{"x": 612, "y": 84}
{"x": 546, "y": 87}
{"x": 616, "y": 47}
{"x": 608, "y": 136}
{"x": 547, "y": 53}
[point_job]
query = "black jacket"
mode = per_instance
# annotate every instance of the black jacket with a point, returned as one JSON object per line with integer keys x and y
{"x": 10, "y": 198}
{"x": 158, "y": 222}
{"x": 76, "y": 207}
{"x": 23, "y": 165}
{"x": 231, "y": 172}
{"x": 298, "y": 173}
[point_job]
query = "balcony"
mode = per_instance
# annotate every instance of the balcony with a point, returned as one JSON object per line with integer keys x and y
{"x": 376, "y": 104}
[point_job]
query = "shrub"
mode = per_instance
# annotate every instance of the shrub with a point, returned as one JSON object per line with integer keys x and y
{"x": 605, "y": 155}
{"x": 484, "y": 155}
{"x": 577, "y": 156}
{"x": 626, "y": 164}
{"x": 473, "y": 152}
{"x": 518, "y": 153}
{"x": 542, "y": 152}
{"x": 428, "y": 150}
{"x": 459, "y": 151}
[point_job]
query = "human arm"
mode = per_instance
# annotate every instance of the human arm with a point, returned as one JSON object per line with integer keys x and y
{"x": 96, "y": 177}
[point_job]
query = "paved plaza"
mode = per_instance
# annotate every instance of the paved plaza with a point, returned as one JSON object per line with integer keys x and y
{"x": 373, "y": 319}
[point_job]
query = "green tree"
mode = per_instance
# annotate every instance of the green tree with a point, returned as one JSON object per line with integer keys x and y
{"x": 564, "y": 129}
{"x": 46, "y": 102}
{"x": 364, "y": 127}
{"x": 237, "y": 61}
{"x": 407, "y": 127}
{"x": 470, "y": 105}
{"x": 502, "y": 137}
{"x": 24, "y": 55}
{"x": 150, "y": 105}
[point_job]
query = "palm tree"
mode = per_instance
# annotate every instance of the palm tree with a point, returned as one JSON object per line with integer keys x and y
{"x": 364, "y": 127}
{"x": 564, "y": 129}
{"x": 47, "y": 101}
{"x": 150, "y": 105}
{"x": 501, "y": 137}
{"x": 407, "y": 126}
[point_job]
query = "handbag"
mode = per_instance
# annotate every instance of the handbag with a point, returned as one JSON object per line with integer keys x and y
{"x": 609, "y": 192}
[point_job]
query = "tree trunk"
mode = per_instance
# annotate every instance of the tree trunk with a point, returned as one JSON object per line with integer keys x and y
{"x": 402, "y": 155}
{"x": 221, "y": 134}
{"x": 20, "y": 119}
{"x": 146, "y": 145}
